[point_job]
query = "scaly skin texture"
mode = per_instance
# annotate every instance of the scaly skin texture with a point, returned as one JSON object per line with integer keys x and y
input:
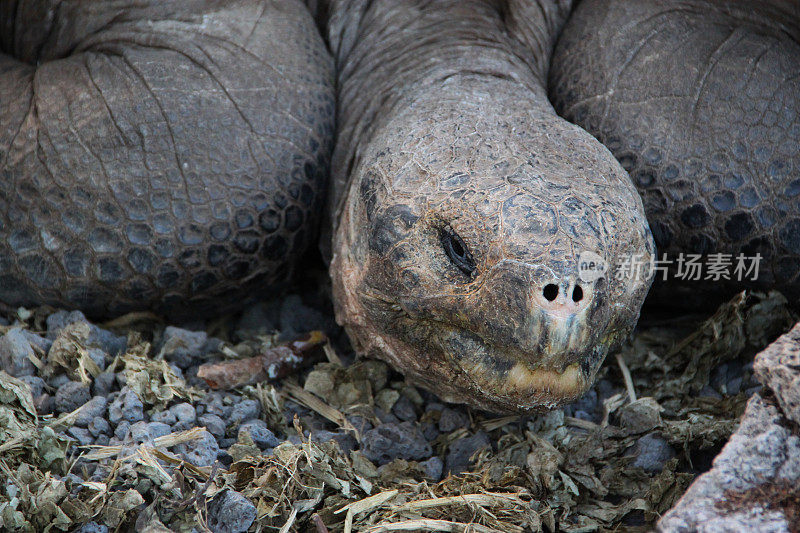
{"x": 700, "y": 102}
{"x": 446, "y": 135}
{"x": 166, "y": 155}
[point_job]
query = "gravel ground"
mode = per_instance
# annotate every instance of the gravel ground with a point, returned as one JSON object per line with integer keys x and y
{"x": 407, "y": 423}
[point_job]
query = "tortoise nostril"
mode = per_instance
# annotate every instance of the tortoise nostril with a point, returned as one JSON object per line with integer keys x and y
{"x": 577, "y": 294}
{"x": 550, "y": 292}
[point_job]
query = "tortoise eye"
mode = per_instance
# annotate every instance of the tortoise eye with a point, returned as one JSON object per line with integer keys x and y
{"x": 457, "y": 252}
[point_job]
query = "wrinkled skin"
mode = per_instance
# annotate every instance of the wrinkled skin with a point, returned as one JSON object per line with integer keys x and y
{"x": 166, "y": 155}
{"x": 446, "y": 129}
{"x": 468, "y": 149}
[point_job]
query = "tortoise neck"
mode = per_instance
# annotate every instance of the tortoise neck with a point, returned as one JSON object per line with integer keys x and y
{"x": 390, "y": 53}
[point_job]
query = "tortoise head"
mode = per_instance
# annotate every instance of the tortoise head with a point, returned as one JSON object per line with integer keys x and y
{"x": 458, "y": 255}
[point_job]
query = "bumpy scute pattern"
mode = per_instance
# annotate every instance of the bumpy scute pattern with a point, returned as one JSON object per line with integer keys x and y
{"x": 166, "y": 155}
{"x": 699, "y": 101}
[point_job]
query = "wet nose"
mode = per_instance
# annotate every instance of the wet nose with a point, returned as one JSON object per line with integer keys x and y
{"x": 564, "y": 297}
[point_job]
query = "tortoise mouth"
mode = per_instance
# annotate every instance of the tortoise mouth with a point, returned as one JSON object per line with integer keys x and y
{"x": 488, "y": 374}
{"x": 510, "y": 377}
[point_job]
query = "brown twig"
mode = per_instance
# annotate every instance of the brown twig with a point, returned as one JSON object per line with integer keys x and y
{"x": 274, "y": 363}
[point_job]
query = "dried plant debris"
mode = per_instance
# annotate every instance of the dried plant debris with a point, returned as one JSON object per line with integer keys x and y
{"x": 170, "y": 429}
{"x": 153, "y": 380}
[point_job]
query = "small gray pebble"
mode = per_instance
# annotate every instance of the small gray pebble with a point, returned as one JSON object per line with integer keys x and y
{"x": 126, "y": 406}
{"x": 58, "y": 380}
{"x": 34, "y": 382}
{"x": 71, "y": 477}
{"x": 404, "y": 409}
{"x": 734, "y": 385}
{"x": 95, "y": 407}
{"x": 213, "y": 404}
{"x": 182, "y": 347}
{"x": 395, "y": 441}
{"x": 184, "y": 414}
{"x": 244, "y": 410}
{"x": 14, "y": 353}
{"x": 81, "y": 435}
{"x": 384, "y": 417}
{"x": 451, "y": 420}
{"x": 651, "y": 452}
{"x": 360, "y": 423}
{"x": 121, "y": 431}
{"x": 430, "y": 430}
{"x": 99, "y": 426}
{"x": 158, "y": 429}
{"x": 226, "y": 442}
{"x": 98, "y": 338}
{"x": 61, "y": 319}
{"x": 101, "y": 440}
{"x": 214, "y": 424}
{"x": 103, "y": 383}
{"x": 147, "y": 431}
{"x": 178, "y": 372}
{"x": 709, "y": 391}
{"x": 98, "y": 356}
{"x": 434, "y": 406}
{"x": 100, "y": 473}
{"x": 200, "y": 452}
{"x": 225, "y": 458}
{"x": 588, "y": 404}
{"x": 433, "y": 468}
{"x": 107, "y": 341}
{"x": 86, "y": 467}
{"x": 93, "y": 527}
{"x": 72, "y": 395}
{"x": 231, "y": 512}
{"x": 167, "y": 417}
{"x": 260, "y": 433}
{"x": 44, "y": 404}
{"x": 345, "y": 440}
{"x": 38, "y": 341}
{"x": 460, "y": 452}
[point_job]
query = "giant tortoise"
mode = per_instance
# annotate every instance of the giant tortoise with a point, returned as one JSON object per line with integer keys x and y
{"x": 175, "y": 156}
